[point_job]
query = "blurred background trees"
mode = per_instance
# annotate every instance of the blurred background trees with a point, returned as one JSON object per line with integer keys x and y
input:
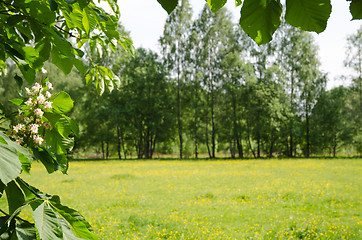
{"x": 211, "y": 91}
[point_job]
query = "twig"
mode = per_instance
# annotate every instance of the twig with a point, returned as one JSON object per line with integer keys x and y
{"x": 70, "y": 34}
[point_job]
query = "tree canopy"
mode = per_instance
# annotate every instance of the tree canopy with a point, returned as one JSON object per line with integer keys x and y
{"x": 261, "y": 18}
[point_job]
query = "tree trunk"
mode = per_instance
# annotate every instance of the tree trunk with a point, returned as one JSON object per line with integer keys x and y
{"x": 251, "y": 147}
{"x": 207, "y": 140}
{"x": 272, "y": 140}
{"x": 213, "y": 126}
{"x": 211, "y": 82}
{"x": 196, "y": 113}
{"x": 258, "y": 137}
{"x": 153, "y": 146}
{"x": 107, "y": 149}
{"x": 335, "y": 145}
{"x": 232, "y": 147}
{"x": 179, "y": 121}
{"x": 291, "y": 144}
{"x": 235, "y": 130}
{"x": 240, "y": 147}
{"x": 119, "y": 142}
{"x": 207, "y": 128}
{"x": 102, "y": 146}
{"x": 307, "y": 135}
{"x": 147, "y": 144}
{"x": 140, "y": 148}
{"x": 124, "y": 149}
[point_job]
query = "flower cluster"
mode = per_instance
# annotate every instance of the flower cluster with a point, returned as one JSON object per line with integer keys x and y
{"x": 31, "y": 123}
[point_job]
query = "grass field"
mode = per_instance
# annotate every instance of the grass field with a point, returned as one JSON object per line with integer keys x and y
{"x": 254, "y": 199}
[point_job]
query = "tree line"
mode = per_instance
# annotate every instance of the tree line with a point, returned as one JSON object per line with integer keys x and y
{"x": 213, "y": 90}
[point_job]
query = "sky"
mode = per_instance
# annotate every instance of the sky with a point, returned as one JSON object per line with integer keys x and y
{"x": 145, "y": 20}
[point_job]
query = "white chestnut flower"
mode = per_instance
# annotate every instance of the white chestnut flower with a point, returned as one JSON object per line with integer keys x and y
{"x": 18, "y": 127}
{"x": 29, "y": 102}
{"x": 48, "y": 94}
{"x": 28, "y": 119}
{"x": 36, "y": 88}
{"x": 34, "y": 128}
{"x": 48, "y": 105}
{"x": 41, "y": 99}
{"x": 19, "y": 140}
{"x": 38, "y": 140}
{"x": 38, "y": 112}
{"x": 49, "y": 85}
{"x": 43, "y": 71}
{"x": 27, "y": 90}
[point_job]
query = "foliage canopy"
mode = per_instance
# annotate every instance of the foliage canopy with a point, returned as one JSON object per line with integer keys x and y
{"x": 261, "y": 18}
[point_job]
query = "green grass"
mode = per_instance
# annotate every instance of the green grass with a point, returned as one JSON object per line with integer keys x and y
{"x": 254, "y": 199}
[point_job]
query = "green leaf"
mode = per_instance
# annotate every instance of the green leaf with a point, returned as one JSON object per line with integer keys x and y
{"x": 14, "y": 196}
{"x": 25, "y": 230}
{"x": 67, "y": 231}
{"x": 19, "y": 81}
{"x": 63, "y": 62}
{"x": 127, "y": 44}
{"x": 53, "y": 5}
{"x": 260, "y": 19}
{"x": 10, "y": 165}
{"x": 215, "y": 5}
{"x": 356, "y": 9}
{"x": 168, "y": 5}
{"x": 14, "y": 19}
{"x": 28, "y": 73}
{"x": 238, "y": 3}
{"x": 73, "y": 126}
{"x": 44, "y": 49}
{"x": 62, "y": 125}
{"x": 52, "y": 162}
{"x": 6, "y": 230}
{"x": 25, "y": 163}
{"x": 2, "y": 140}
{"x": 47, "y": 223}
{"x": 83, "y": 3}
{"x": 14, "y": 52}
{"x": 85, "y": 21}
{"x": 2, "y": 187}
{"x": 79, "y": 65}
{"x": 40, "y": 9}
{"x": 24, "y": 31}
{"x": 17, "y": 101}
{"x": 80, "y": 226}
{"x": 29, "y": 193}
{"x": 58, "y": 144}
{"x": 308, "y": 15}
{"x": 74, "y": 19}
{"x": 113, "y": 4}
{"x": 22, "y": 206}
{"x": 63, "y": 162}
{"x": 80, "y": 53}
{"x": 31, "y": 55}
{"x": 62, "y": 102}
{"x": 47, "y": 159}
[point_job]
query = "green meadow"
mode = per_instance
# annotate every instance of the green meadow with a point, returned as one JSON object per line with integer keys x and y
{"x": 224, "y": 199}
